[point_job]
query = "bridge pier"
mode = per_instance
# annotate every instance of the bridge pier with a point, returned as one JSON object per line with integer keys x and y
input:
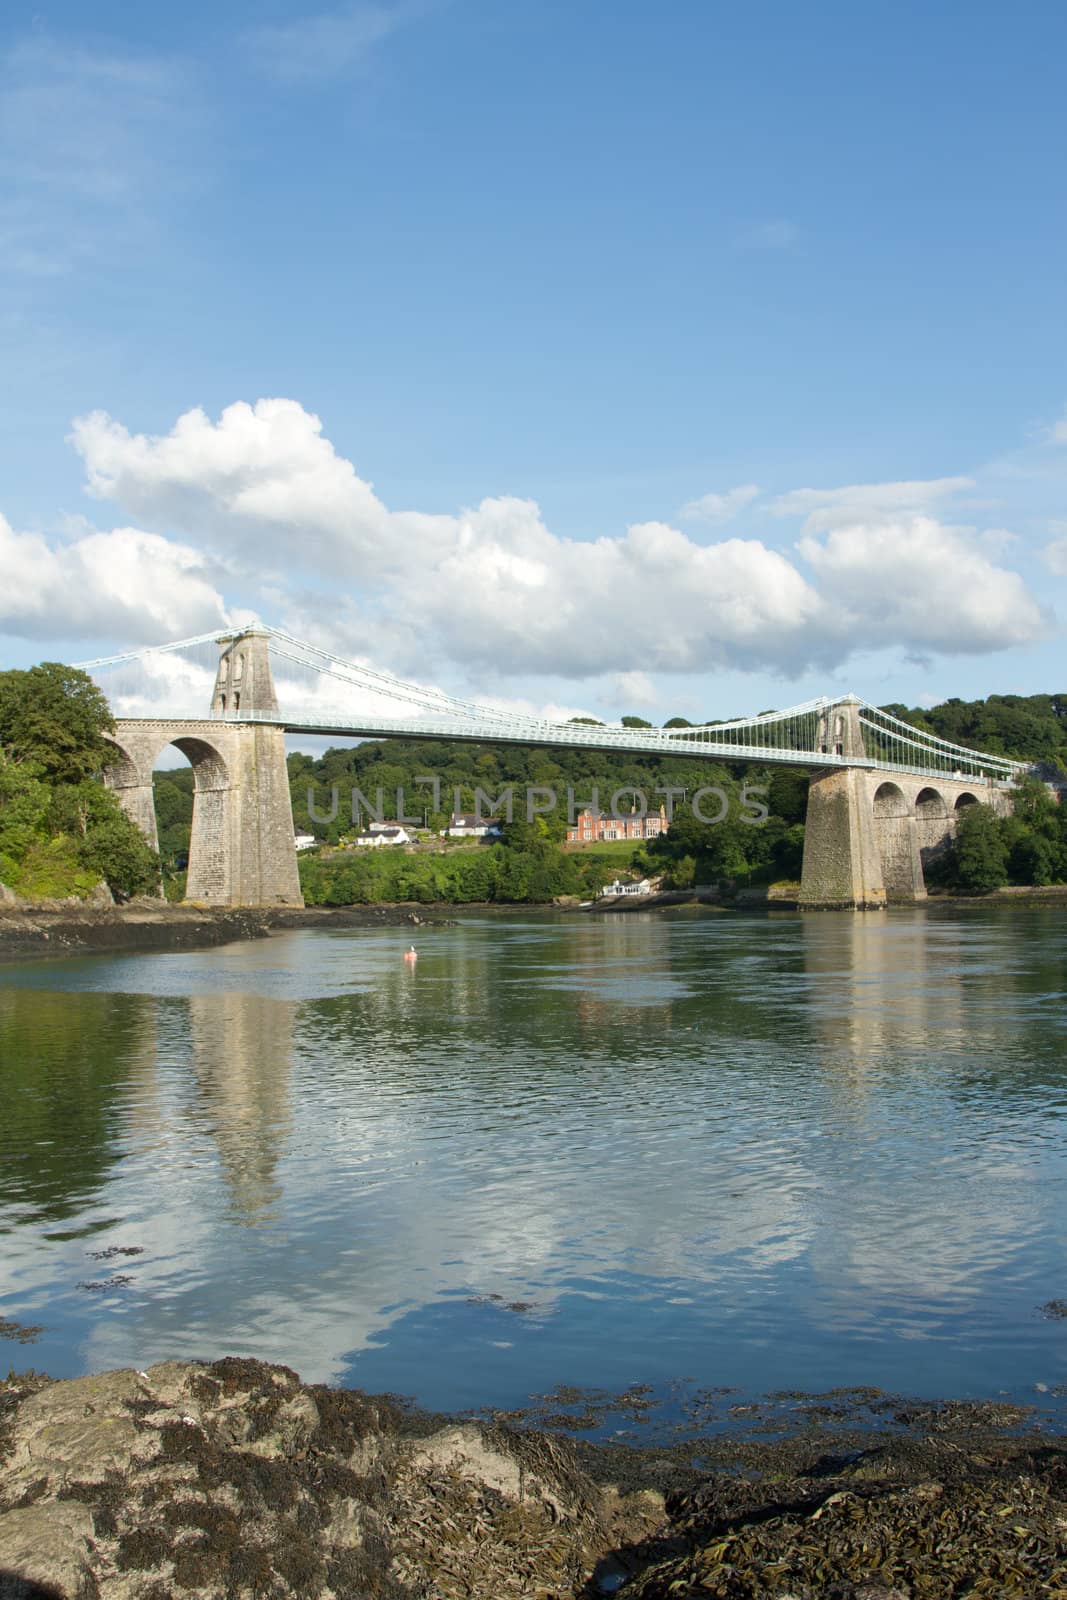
{"x": 842, "y": 867}
{"x": 870, "y": 830}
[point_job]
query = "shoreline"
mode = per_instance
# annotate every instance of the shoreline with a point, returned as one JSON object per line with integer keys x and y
{"x": 180, "y": 1477}
{"x": 31, "y": 933}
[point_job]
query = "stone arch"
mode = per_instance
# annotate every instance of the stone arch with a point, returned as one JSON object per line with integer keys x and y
{"x": 130, "y": 776}
{"x": 242, "y": 849}
{"x": 889, "y": 801}
{"x": 898, "y": 843}
{"x": 929, "y": 804}
{"x": 208, "y": 875}
{"x": 210, "y": 768}
{"x": 122, "y": 771}
{"x": 935, "y": 824}
{"x": 964, "y": 800}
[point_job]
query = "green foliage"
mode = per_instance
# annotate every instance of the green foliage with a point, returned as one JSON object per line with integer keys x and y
{"x": 109, "y": 843}
{"x": 173, "y": 792}
{"x": 682, "y": 873}
{"x": 500, "y": 873}
{"x": 1030, "y": 727}
{"x": 55, "y": 717}
{"x": 1028, "y": 848}
{"x": 24, "y": 803}
{"x": 49, "y": 869}
{"x": 981, "y": 851}
{"x": 61, "y": 831}
{"x": 788, "y": 794}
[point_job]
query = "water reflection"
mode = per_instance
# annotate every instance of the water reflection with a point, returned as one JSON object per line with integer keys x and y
{"x": 782, "y": 1151}
{"x": 241, "y": 1053}
{"x": 882, "y": 982}
{"x": 67, "y": 1066}
{"x": 901, "y": 1026}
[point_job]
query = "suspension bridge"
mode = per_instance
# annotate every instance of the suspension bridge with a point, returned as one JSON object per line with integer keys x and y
{"x": 884, "y": 796}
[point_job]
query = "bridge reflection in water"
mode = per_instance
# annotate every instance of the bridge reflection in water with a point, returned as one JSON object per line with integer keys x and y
{"x": 773, "y": 1150}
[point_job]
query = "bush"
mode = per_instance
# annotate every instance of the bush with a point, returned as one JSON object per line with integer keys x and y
{"x": 981, "y": 851}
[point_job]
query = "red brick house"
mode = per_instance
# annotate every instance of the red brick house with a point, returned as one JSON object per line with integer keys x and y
{"x": 589, "y": 829}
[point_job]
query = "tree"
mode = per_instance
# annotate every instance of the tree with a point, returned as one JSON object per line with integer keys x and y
{"x": 635, "y": 722}
{"x": 107, "y": 841}
{"x": 1032, "y": 858}
{"x": 56, "y": 717}
{"x": 788, "y": 794}
{"x": 678, "y": 722}
{"x": 981, "y": 851}
{"x": 24, "y": 803}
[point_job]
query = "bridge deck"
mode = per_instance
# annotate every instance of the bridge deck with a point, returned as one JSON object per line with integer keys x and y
{"x": 584, "y": 736}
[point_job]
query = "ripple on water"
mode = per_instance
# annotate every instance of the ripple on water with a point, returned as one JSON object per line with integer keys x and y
{"x": 768, "y": 1153}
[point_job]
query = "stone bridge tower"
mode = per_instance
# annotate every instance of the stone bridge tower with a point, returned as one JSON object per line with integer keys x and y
{"x": 870, "y": 830}
{"x": 242, "y": 851}
{"x": 243, "y": 681}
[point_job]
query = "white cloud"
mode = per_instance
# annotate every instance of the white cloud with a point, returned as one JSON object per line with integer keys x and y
{"x": 917, "y": 582}
{"x": 262, "y": 468}
{"x": 865, "y": 502}
{"x": 493, "y": 590}
{"x": 998, "y": 540}
{"x": 720, "y": 507}
{"x": 313, "y": 48}
{"x": 1054, "y": 556}
{"x": 632, "y": 689}
{"x": 514, "y": 595}
{"x": 1059, "y": 430}
{"x": 124, "y": 584}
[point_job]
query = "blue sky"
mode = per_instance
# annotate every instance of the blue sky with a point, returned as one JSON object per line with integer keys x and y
{"x": 656, "y": 269}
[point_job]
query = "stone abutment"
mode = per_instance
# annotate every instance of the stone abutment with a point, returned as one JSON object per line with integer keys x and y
{"x": 242, "y": 851}
{"x": 870, "y": 833}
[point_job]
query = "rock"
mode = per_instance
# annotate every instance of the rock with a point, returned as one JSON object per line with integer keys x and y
{"x": 491, "y": 1458}
{"x": 233, "y": 1478}
{"x": 45, "y": 1544}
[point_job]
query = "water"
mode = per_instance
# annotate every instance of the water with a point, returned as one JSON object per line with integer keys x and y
{"x": 765, "y": 1153}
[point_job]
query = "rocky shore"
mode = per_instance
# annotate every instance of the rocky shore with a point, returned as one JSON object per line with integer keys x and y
{"x": 32, "y": 933}
{"x": 233, "y": 1479}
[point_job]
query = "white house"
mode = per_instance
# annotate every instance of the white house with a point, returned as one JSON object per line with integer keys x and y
{"x": 469, "y": 825}
{"x": 619, "y": 888}
{"x": 305, "y": 841}
{"x": 379, "y": 835}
